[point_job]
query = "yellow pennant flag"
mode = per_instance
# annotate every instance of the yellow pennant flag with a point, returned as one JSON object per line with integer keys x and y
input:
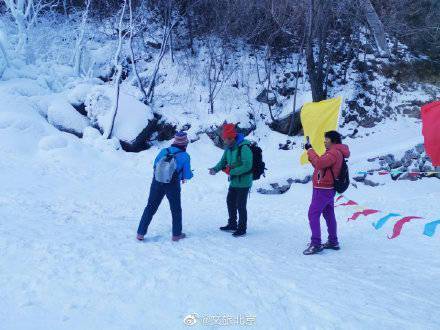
{"x": 316, "y": 119}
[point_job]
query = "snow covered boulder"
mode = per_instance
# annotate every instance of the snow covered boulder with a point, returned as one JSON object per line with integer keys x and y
{"x": 275, "y": 189}
{"x": 215, "y": 133}
{"x": 64, "y": 116}
{"x": 285, "y": 125}
{"x": 93, "y": 137}
{"x": 78, "y": 92}
{"x": 267, "y": 96}
{"x": 132, "y": 121}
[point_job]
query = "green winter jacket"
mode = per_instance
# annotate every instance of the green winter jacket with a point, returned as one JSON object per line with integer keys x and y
{"x": 241, "y": 169}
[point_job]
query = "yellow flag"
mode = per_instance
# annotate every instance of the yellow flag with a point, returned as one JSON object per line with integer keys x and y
{"x": 318, "y": 118}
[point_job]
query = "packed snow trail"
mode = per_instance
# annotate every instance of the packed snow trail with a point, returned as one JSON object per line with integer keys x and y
{"x": 69, "y": 209}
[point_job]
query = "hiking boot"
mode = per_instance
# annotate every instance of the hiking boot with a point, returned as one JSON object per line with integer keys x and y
{"x": 178, "y": 237}
{"x": 239, "y": 232}
{"x": 140, "y": 237}
{"x": 331, "y": 246}
{"x": 312, "y": 249}
{"x": 229, "y": 227}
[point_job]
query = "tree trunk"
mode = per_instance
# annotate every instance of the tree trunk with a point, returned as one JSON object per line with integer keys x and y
{"x": 170, "y": 39}
{"x": 376, "y": 27}
{"x": 115, "y": 104}
{"x": 3, "y": 47}
{"x": 190, "y": 32}
{"x": 292, "y": 120}
{"x": 133, "y": 63}
{"x": 117, "y": 78}
{"x": 316, "y": 21}
{"x": 211, "y": 105}
{"x": 211, "y": 83}
{"x": 79, "y": 41}
{"x": 166, "y": 34}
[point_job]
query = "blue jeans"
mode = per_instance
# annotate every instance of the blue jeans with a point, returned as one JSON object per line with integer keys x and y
{"x": 157, "y": 192}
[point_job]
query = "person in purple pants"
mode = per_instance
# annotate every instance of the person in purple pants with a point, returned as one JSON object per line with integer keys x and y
{"x": 324, "y": 192}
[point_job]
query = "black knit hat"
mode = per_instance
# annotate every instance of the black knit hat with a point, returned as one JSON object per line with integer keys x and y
{"x": 334, "y": 136}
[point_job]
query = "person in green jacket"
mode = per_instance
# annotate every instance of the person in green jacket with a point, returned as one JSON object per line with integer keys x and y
{"x": 236, "y": 162}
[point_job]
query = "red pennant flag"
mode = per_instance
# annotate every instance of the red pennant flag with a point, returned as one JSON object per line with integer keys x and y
{"x": 384, "y": 172}
{"x": 431, "y": 131}
{"x": 365, "y": 212}
{"x": 339, "y": 198}
{"x": 349, "y": 203}
{"x": 399, "y": 225}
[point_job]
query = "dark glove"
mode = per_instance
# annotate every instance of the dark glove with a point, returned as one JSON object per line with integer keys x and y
{"x": 307, "y": 146}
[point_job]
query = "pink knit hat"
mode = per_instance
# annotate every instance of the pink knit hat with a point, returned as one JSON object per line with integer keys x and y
{"x": 181, "y": 139}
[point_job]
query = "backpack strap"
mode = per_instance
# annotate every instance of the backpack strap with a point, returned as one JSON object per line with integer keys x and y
{"x": 174, "y": 153}
{"x": 169, "y": 153}
{"x": 331, "y": 169}
{"x": 239, "y": 150}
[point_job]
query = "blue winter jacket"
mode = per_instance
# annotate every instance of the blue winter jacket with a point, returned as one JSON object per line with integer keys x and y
{"x": 183, "y": 161}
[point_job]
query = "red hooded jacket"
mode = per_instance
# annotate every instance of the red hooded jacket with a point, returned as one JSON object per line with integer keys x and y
{"x": 333, "y": 158}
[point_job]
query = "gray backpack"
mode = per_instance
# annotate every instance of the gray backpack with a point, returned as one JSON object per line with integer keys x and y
{"x": 166, "y": 167}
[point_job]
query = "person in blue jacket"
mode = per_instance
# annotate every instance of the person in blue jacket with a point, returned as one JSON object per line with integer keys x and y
{"x": 172, "y": 189}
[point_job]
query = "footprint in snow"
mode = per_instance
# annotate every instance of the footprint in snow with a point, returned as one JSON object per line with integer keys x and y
{"x": 52, "y": 142}
{"x": 156, "y": 238}
{"x": 149, "y": 239}
{"x": 5, "y": 123}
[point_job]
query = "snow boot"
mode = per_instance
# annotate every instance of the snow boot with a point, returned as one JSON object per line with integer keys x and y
{"x": 331, "y": 246}
{"x": 312, "y": 249}
{"x": 239, "y": 232}
{"x": 178, "y": 237}
{"x": 140, "y": 237}
{"x": 229, "y": 227}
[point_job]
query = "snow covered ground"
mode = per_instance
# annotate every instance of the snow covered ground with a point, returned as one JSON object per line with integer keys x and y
{"x": 69, "y": 209}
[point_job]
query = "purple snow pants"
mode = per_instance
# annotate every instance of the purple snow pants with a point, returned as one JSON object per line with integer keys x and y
{"x": 323, "y": 203}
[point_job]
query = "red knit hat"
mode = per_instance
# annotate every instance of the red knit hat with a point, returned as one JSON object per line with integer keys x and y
{"x": 229, "y": 131}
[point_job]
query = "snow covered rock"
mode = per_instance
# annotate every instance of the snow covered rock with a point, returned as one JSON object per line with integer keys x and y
{"x": 275, "y": 189}
{"x": 268, "y": 97}
{"x": 370, "y": 183}
{"x": 64, "y": 116}
{"x": 278, "y": 189}
{"x": 286, "y": 146}
{"x": 304, "y": 180}
{"x": 93, "y": 137}
{"x": 414, "y": 164}
{"x": 215, "y": 133}
{"x": 360, "y": 178}
{"x": 132, "y": 118}
{"x": 23, "y": 87}
{"x": 77, "y": 93}
{"x": 283, "y": 125}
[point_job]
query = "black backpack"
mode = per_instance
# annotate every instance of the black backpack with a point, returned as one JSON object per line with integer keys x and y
{"x": 342, "y": 182}
{"x": 258, "y": 166}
